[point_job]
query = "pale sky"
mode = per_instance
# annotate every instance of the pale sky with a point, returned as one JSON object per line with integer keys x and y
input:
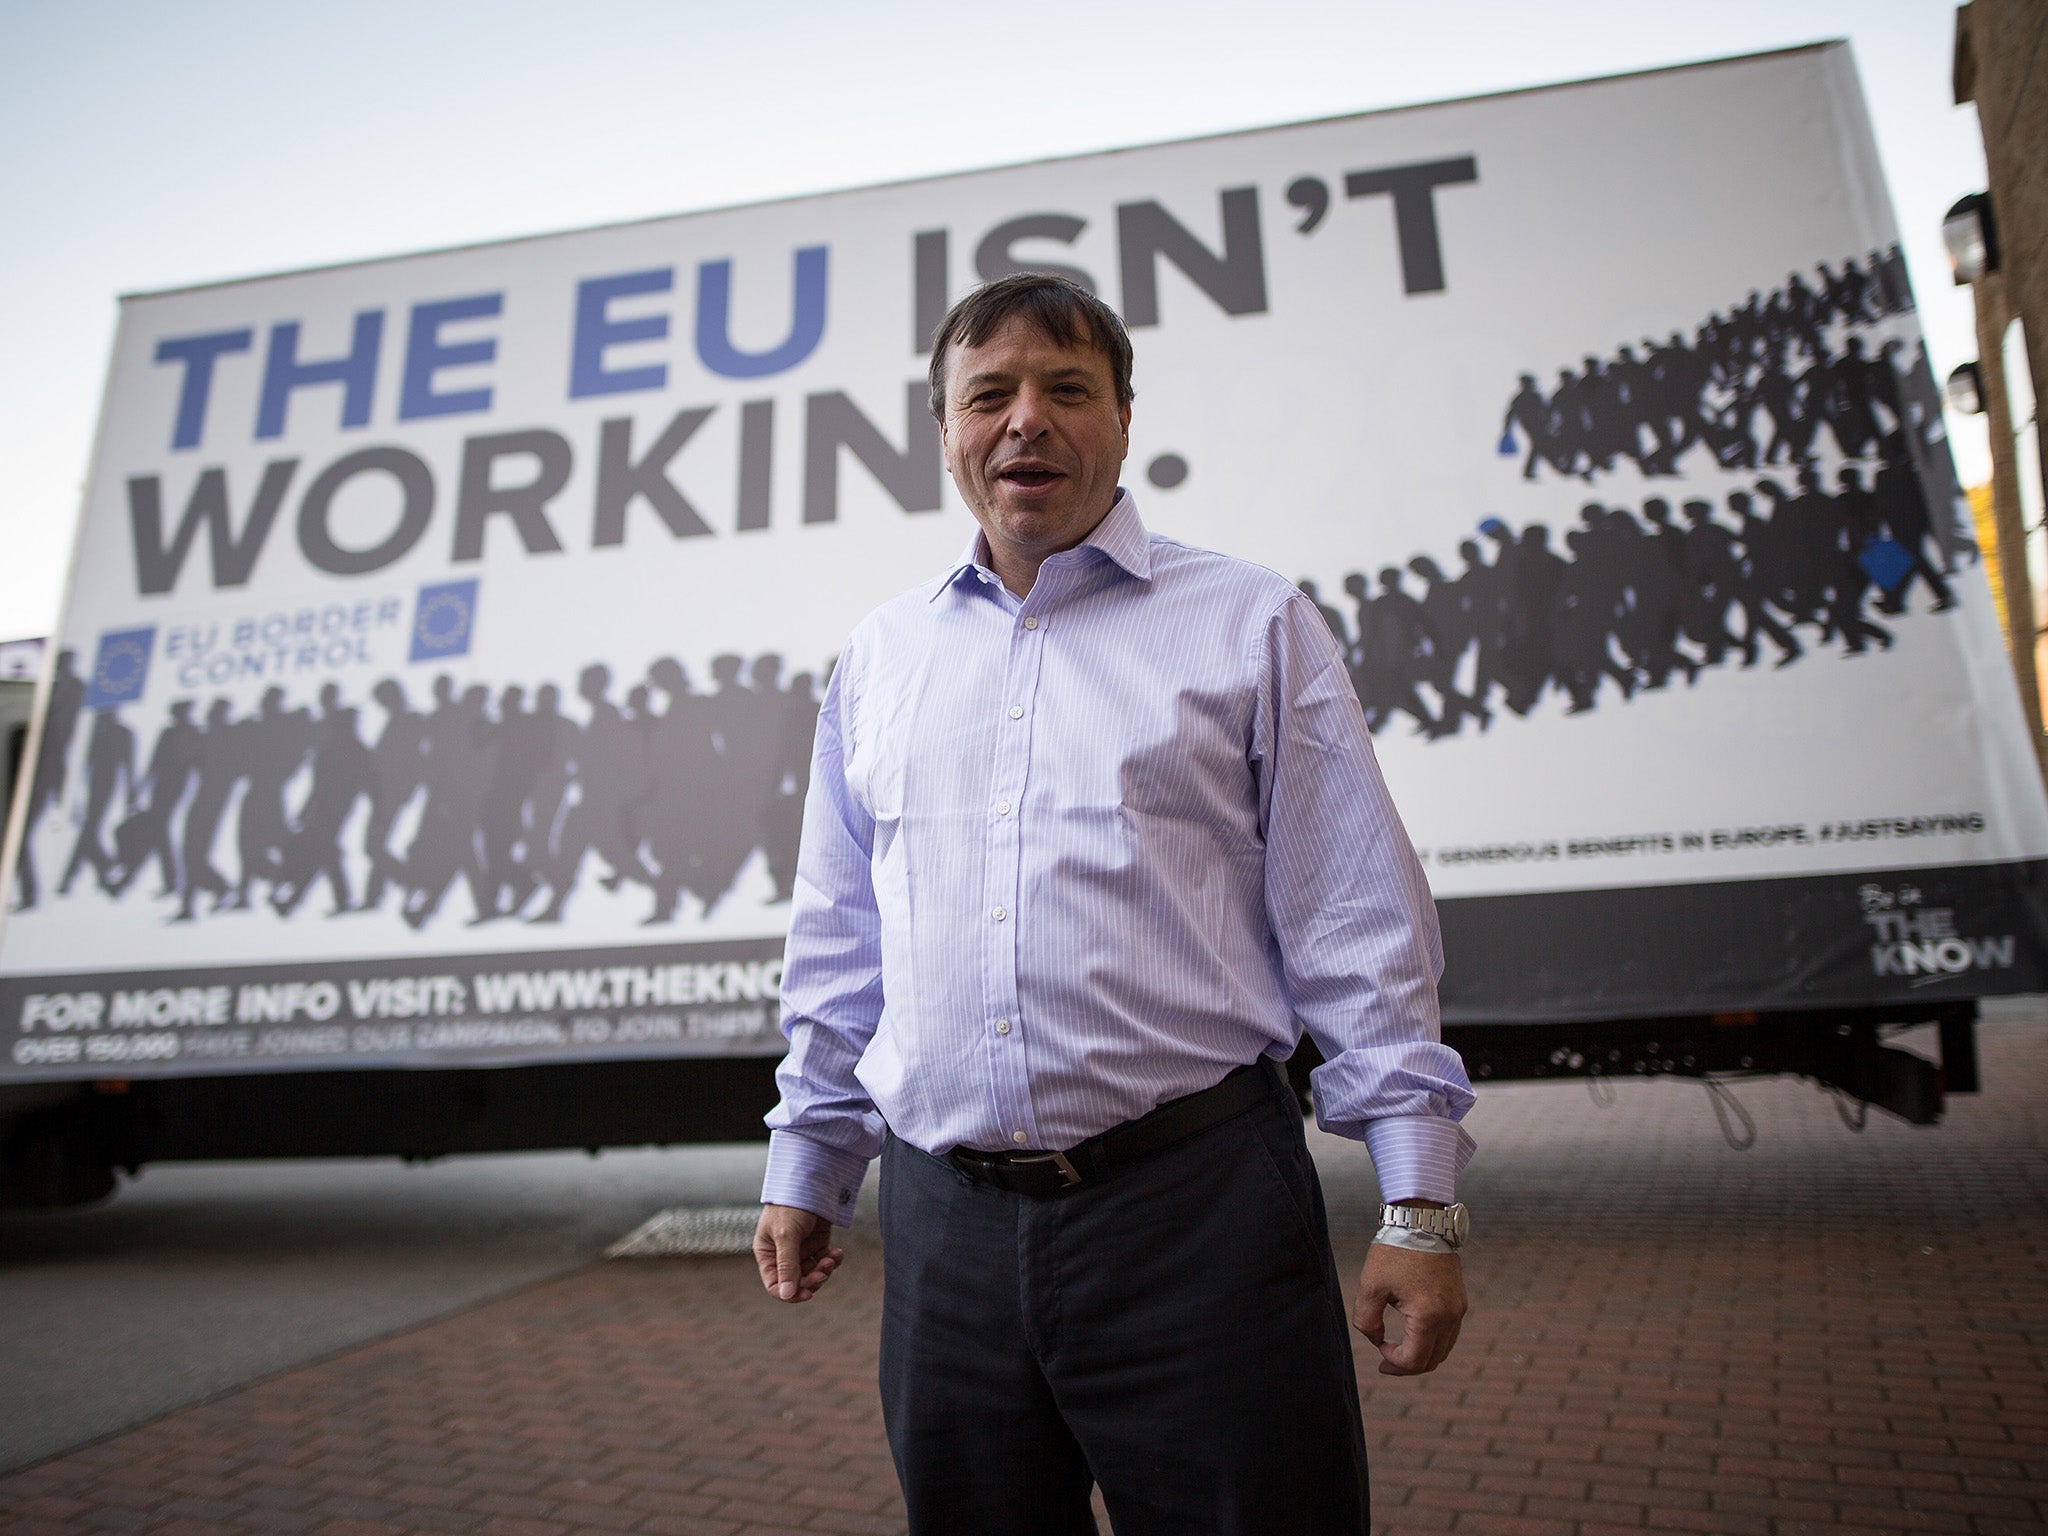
{"x": 156, "y": 145}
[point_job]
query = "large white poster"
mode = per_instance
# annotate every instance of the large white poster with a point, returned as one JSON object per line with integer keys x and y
{"x": 446, "y": 635}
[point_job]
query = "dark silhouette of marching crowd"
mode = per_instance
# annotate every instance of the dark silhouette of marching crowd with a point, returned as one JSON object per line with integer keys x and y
{"x": 1636, "y": 600}
{"x": 671, "y": 788}
{"x": 1631, "y": 599}
{"x": 1769, "y": 382}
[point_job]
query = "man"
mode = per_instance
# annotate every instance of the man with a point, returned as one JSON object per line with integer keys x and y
{"x": 146, "y": 833}
{"x": 1532, "y": 413}
{"x": 344, "y": 771}
{"x": 219, "y": 769}
{"x": 52, "y": 768}
{"x": 1093, "y": 821}
{"x": 275, "y": 743}
{"x": 398, "y": 768}
{"x": 109, "y": 773}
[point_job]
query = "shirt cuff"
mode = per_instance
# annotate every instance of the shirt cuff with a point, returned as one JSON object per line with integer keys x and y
{"x": 1418, "y": 1157}
{"x": 813, "y": 1176}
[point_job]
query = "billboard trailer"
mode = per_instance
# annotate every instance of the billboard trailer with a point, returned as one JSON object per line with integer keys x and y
{"x": 421, "y": 758}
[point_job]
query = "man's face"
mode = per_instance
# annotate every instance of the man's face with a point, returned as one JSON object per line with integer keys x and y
{"x": 1033, "y": 438}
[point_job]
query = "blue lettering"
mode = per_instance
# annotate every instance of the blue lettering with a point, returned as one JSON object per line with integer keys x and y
{"x": 355, "y": 372}
{"x": 596, "y": 331}
{"x": 714, "y": 322}
{"x": 198, "y": 354}
{"x": 427, "y": 354}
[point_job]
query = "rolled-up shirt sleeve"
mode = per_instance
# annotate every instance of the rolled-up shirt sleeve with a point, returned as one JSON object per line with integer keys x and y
{"x": 825, "y": 1130}
{"x": 1351, "y": 913}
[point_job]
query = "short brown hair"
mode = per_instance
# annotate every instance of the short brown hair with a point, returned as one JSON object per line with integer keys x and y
{"x": 1058, "y": 308}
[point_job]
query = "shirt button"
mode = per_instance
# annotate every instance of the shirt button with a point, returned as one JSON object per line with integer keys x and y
{"x": 1002, "y": 807}
{"x": 1000, "y": 913}
{"x": 1016, "y": 711}
{"x": 1017, "y": 1137}
{"x": 1031, "y": 623}
{"x": 1002, "y": 1026}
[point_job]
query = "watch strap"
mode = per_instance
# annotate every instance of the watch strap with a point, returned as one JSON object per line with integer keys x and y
{"x": 1450, "y": 1223}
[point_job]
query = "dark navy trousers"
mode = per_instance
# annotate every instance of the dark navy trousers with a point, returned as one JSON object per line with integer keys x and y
{"x": 1173, "y": 1332}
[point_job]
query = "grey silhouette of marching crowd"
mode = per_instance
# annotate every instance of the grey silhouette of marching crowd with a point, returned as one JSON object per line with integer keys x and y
{"x": 1766, "y": 383}
{"x": 1636, "y": 598}
{"x": 671, "y": 788}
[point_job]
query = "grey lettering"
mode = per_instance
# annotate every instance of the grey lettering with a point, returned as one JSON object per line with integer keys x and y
{"x": 1236, "y": 280}
{"x": 915, "y": 476}
{"x": 620, "y": 479}
{"x": 157, "y": 564}
{"x": 994, "y": 258}
{"x": 416, "y": 488}
{"x": 1413, "y": 188}
{"x": 525, "y": 504}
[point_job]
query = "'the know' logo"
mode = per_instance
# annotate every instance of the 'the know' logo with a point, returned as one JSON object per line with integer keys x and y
{"x": 1922, "y": 942}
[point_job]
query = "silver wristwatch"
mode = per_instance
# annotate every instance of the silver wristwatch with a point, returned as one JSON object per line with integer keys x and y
{"x": 1451, "y": 1223}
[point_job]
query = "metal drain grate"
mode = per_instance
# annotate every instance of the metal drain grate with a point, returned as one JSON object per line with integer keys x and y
{"x": 695, "y": 1230}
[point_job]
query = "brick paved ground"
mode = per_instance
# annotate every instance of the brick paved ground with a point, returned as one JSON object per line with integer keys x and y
{"x": 1828, "y": 1332}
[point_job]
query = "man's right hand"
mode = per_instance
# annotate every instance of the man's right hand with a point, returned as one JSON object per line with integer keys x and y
{"x": 1427, "y": 1289}
{"x": 792, "y": 1247}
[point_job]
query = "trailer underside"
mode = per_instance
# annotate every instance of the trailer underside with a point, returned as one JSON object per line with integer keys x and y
{"x": 65, "y": 1143}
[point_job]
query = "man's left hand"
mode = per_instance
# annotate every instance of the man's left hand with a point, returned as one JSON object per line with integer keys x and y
{"x": 1427, "y": 1289}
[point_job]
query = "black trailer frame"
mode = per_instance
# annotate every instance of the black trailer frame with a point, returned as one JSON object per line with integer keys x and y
{"x": 64, "y": 1143}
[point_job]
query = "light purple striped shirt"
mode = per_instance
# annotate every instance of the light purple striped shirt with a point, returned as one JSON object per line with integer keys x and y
{"x": 1069, "y": 857}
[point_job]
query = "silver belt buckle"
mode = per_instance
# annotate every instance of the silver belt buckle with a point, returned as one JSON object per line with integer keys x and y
{"x": 1069, "y": 1174}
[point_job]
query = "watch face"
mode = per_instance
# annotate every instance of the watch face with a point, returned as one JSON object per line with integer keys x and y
{"x": 1461, "y": 1222}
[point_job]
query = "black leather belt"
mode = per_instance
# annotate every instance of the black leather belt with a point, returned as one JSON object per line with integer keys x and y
{"x": 1048, "y": 1173}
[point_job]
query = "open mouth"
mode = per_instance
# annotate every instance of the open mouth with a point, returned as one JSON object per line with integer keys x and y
{"x": 1028, "y": 477}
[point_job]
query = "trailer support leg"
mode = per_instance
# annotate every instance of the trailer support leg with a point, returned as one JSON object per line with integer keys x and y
{"x": 1959, "y": 1050}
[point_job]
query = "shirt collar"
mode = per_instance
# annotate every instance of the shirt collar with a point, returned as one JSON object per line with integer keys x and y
{"x": 1120, "y": 537}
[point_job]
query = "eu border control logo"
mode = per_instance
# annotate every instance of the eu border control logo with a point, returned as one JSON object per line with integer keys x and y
{"x": 443, "y": 620}
{"x": 120, "y": 670}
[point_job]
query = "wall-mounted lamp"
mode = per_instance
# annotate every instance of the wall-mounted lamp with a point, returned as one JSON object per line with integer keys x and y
{"x": 1971, "y": 235}
{"x": 1965, "y": 390}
